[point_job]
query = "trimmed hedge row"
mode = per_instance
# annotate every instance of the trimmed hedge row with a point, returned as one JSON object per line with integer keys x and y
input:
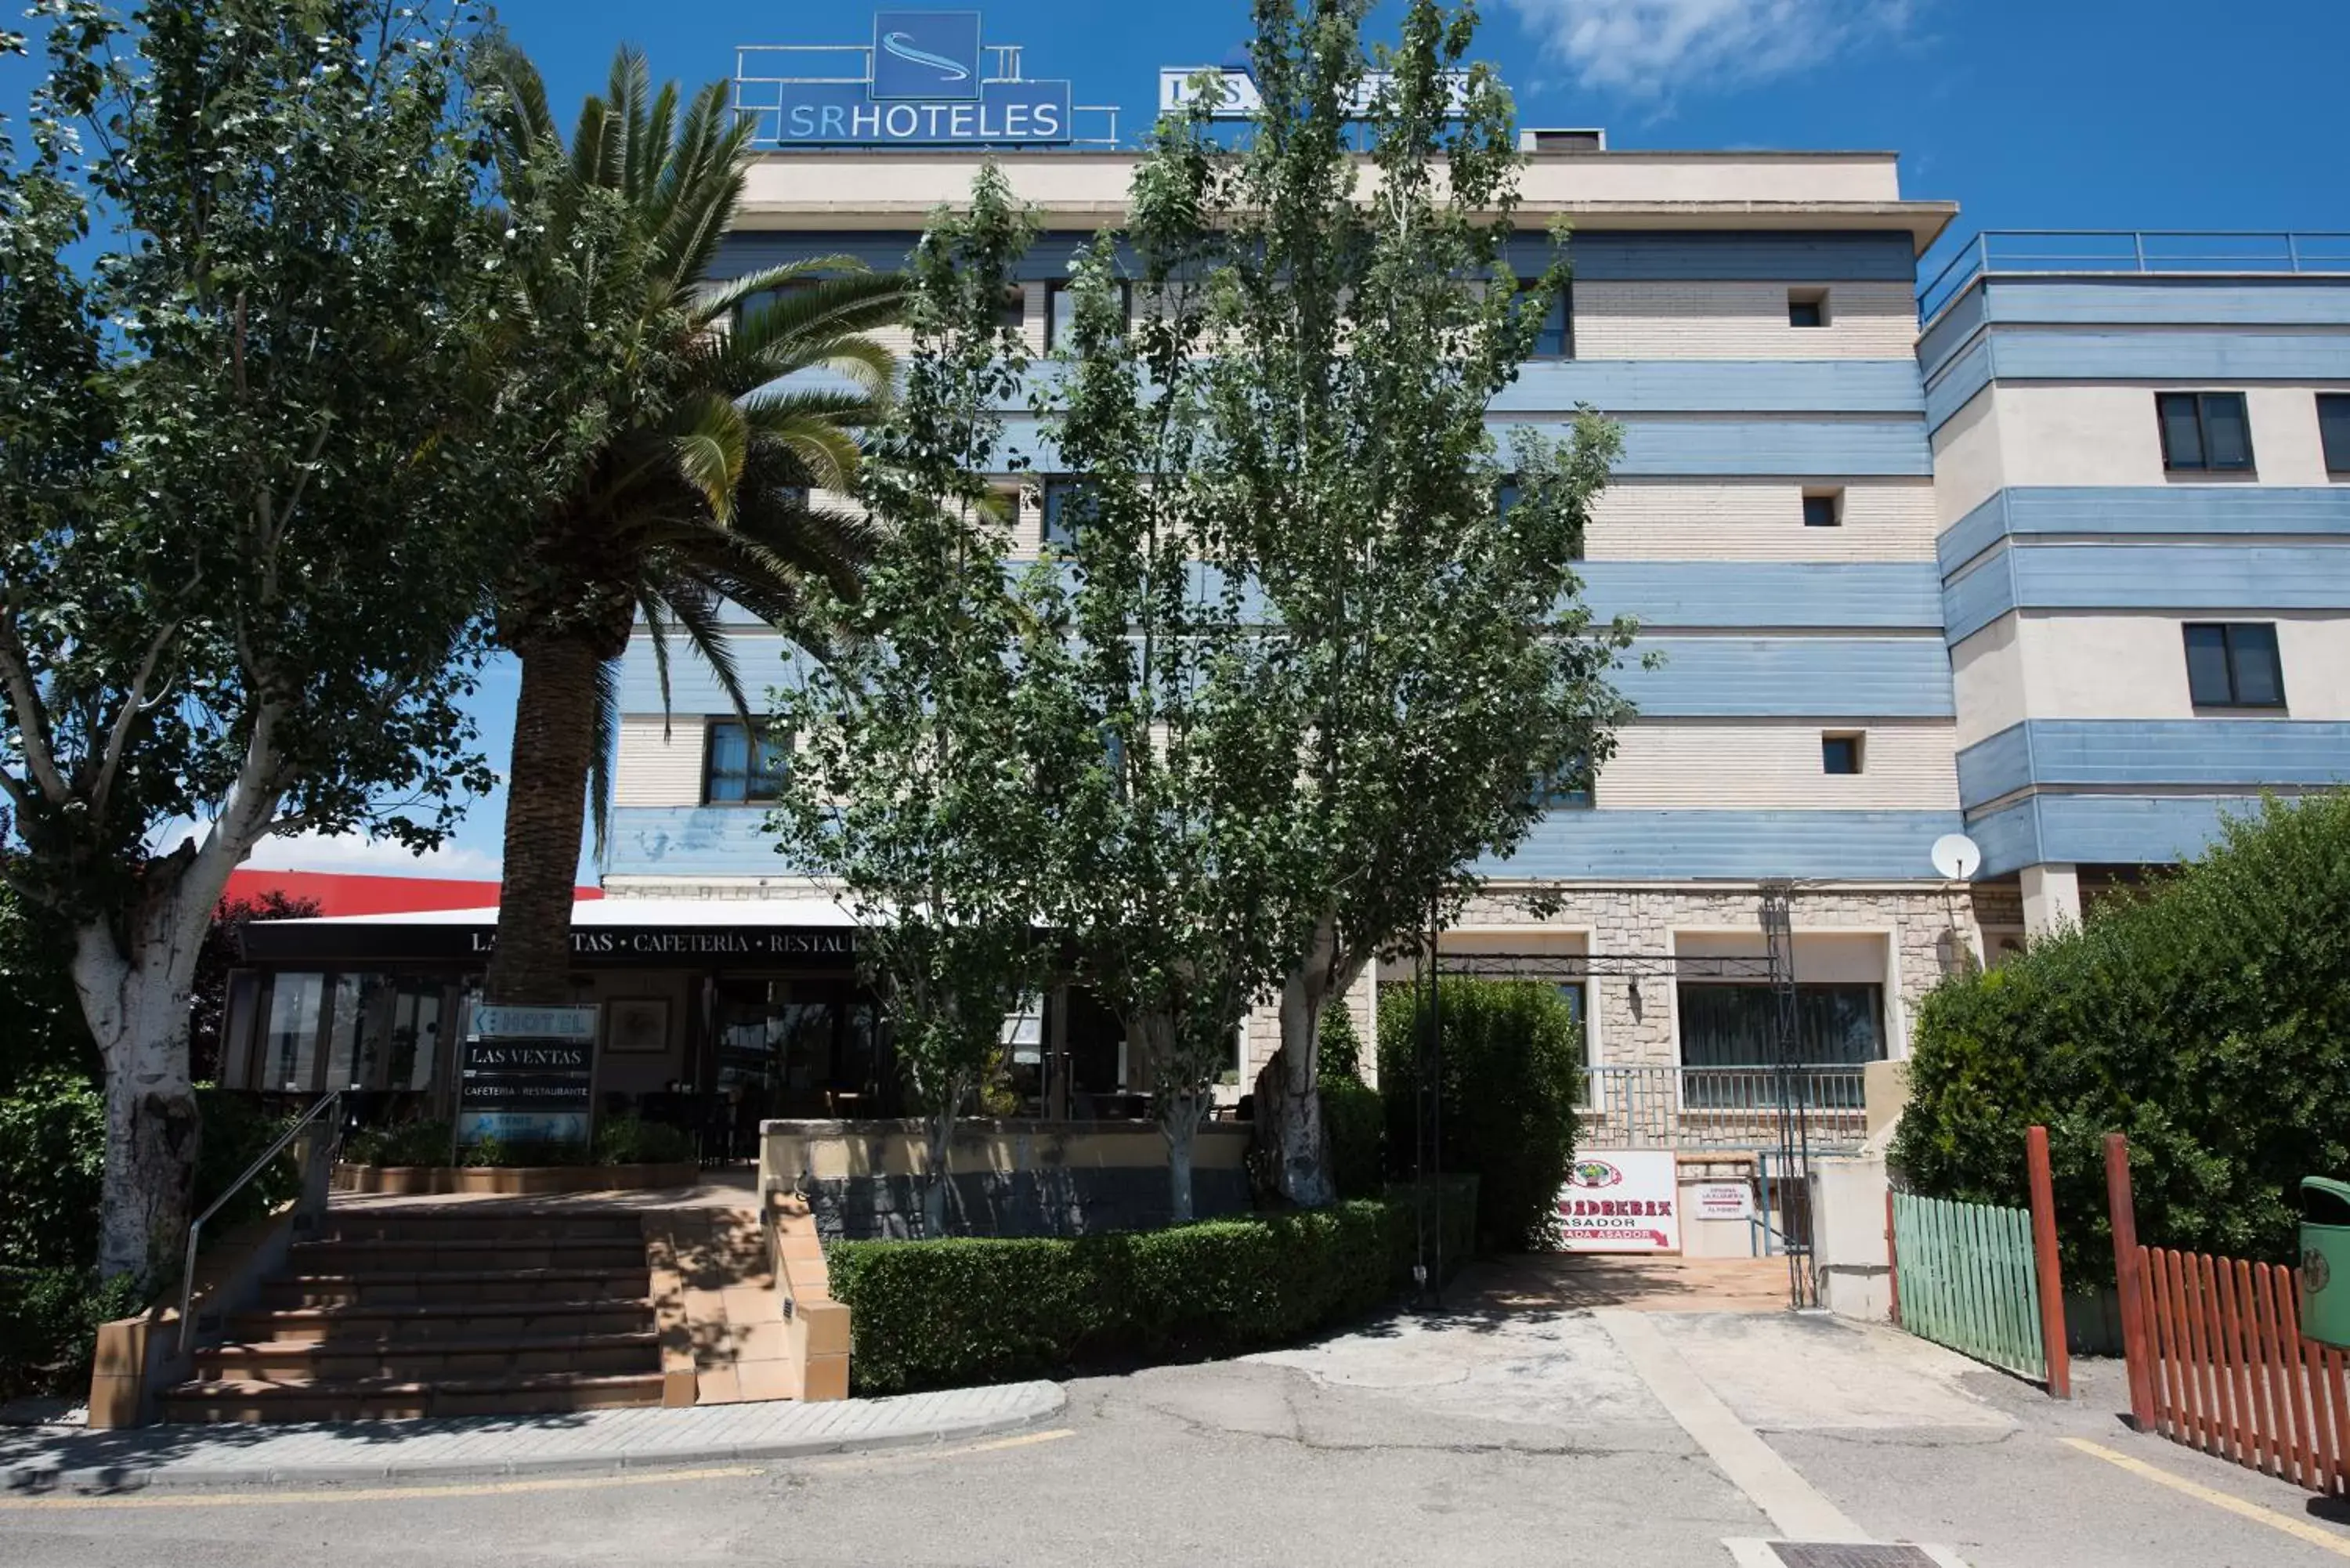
{"x": 962, "y": 1311}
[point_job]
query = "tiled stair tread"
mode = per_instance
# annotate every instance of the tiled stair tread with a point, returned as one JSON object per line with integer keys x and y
{"x": 460, "y": 1276}
{"x": 503, "y": 1344}
{"x": 345, "y": 1312}
{"x": 465, "y": 1243}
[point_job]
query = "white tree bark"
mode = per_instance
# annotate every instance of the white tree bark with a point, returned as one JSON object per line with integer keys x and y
{"x": 134, "y": 988}
{"x": 1288, "y": 1100}
{"x": 1181, "y": 1105}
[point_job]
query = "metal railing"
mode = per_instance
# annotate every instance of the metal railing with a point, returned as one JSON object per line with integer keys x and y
{"x": 1719, "y": 1108}
{"x": 332, "y": 1097}
{"x": 2146, "y": 251}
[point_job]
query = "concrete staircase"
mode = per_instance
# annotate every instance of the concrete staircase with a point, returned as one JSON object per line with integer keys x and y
{"x": 462, "y": 1309}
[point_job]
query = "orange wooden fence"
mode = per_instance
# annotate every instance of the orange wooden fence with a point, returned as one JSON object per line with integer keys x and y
{"x": 2217, "y": 1360}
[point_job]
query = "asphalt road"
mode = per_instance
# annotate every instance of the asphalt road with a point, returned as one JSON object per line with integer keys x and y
{"x": 1490, "y": 1439}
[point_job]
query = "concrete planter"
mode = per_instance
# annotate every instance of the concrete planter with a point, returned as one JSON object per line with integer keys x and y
{"x": 512, "y": 1181}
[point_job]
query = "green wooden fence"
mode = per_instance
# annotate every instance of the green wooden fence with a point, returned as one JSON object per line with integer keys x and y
{"x": 1966, "y": 1278}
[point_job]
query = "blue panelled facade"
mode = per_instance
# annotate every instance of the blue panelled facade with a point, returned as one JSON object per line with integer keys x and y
{"x": 2092, "y": 542}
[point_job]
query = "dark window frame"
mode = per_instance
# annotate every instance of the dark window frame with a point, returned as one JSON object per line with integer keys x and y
{"x": 1856, "y": 745}
{"x": 1807, "y": 301}
{"x": 1833, "y": 500}
{"x": 1058, "y": 287}
{"x": 2201, "y": 403}
{"x": 2237, "y": 641}
{"x": 1559, "y": 332}
{"x": 2333, "y": 438}
{"x": 1056, "y": 493}
{"x": 752, "y": 775}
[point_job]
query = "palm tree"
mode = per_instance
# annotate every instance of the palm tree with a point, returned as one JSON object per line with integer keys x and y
{"x": 682, "y": 485}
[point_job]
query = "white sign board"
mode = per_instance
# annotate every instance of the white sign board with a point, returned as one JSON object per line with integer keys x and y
{"x": 1722, "y": 1200}
{"x": 1625, "y": 1200}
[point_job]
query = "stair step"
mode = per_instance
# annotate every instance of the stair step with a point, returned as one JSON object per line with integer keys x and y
{"x": 358, "y": 1399}
{"x": 422, "y": 1254}
{"x": 340, "y": 1359}
{"x": 475, "y": 1224}
{"x": 421, "y": 1322}
{"x": 394, "y": 1287}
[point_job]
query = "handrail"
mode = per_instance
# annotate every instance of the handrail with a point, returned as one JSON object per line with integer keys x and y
{"x": 2281, "y": 252}
{"x": 195, "y": 1230}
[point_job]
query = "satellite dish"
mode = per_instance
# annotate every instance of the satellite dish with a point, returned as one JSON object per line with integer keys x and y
{"x": 1957, "y": 857}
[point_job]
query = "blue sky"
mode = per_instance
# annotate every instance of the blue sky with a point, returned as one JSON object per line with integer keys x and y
{"x": 2029, "y": 113}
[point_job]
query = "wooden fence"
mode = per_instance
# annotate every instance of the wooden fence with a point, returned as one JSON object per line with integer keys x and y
{"x": 1984, "y": 1280}
{"x": 2217, "y": 1360}
{"x": 1966, "y": 1278}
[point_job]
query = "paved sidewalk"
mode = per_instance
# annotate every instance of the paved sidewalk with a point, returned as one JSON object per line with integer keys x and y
{"x": 48, "y": 1460}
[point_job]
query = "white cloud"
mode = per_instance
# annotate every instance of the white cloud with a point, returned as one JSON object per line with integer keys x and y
{"x": 1656, "y": 48}
{"x": 315, "y": 852}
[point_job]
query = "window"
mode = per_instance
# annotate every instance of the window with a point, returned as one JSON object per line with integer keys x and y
{"x": 1728, "y": 1025}
{"x": 2234, "y": 665}
{"x": 1823, "y": 508}
{"x": 1011, "y": 311}
{"x": 2204, "y": 432}
{"x": 1840, "y": 754}
{"x": 1066, "y": 506}
{"x": 1570, "y": 789}
{"x": 1555, "y": 335}
{"x": 1061, "y": 312}
{"x": 2333, "y": 432}
{"x": 751, "y": 305}
{"x": 1506, "y": 495}
{"x": 741, "y": 766}
{"x": 1807, "y": 307}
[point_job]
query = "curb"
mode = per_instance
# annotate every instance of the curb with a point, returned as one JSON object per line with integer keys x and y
{"x": 36, "y": 1480}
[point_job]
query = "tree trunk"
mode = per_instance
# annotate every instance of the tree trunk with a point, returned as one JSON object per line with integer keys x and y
{"x": 939, "y": 1175}
{"x": 137, "y": 1006}
{"x": 1179, "y": 1122}
{"x": 1288, "y": 1105}
{"x": 1181, "y": 1101}
{"x": 547, "y": 795}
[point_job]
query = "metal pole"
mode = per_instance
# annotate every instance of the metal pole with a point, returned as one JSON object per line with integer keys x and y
{"x": 1436, "y": 1118}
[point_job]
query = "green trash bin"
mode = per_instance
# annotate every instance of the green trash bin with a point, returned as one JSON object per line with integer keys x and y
{"x": 2325, "y": 1261}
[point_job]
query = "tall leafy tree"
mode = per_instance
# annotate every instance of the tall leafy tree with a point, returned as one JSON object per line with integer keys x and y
{"x": 242, "y": 480}
{"x": 688, "y": 499}
{"x": 919, "y": 750}
{"x": 1441, "y": 672}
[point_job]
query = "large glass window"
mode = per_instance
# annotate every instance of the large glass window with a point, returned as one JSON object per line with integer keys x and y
{"x": 290, "y": 1048}
{"x": 1732, "y": 1026}
{"x": 2234, "y": 664}
{"x": 413, "y": 1050}
{"x": 742, "y": 765}
{"x": 2204, "y": 431}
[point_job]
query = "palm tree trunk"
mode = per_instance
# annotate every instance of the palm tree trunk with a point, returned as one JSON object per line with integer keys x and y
{"x": 547, "y": 792}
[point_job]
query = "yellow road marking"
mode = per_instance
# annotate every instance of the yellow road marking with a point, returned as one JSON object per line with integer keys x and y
{"x": 893, "y": 1456}
{"x": 383, "y": 1493}
{"x": 2300, "y": 1529}
{"x": 328, "y": 1492}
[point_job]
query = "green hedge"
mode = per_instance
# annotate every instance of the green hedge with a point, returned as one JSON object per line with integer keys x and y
{"x": 52, "y": 1158}
{"x": 1354, "y": 1118}
{"x": 947, "y": 1314}
{"x": 1512, "y": 1070}
{"x": 2208, "y": 1018}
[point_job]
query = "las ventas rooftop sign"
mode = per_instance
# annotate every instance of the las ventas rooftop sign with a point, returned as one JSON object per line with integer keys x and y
{"x": 924, "y": 88}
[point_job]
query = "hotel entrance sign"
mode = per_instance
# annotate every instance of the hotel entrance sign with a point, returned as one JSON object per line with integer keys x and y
{"x": 527, "y": 1075}
{"x": 925, "y": 82}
